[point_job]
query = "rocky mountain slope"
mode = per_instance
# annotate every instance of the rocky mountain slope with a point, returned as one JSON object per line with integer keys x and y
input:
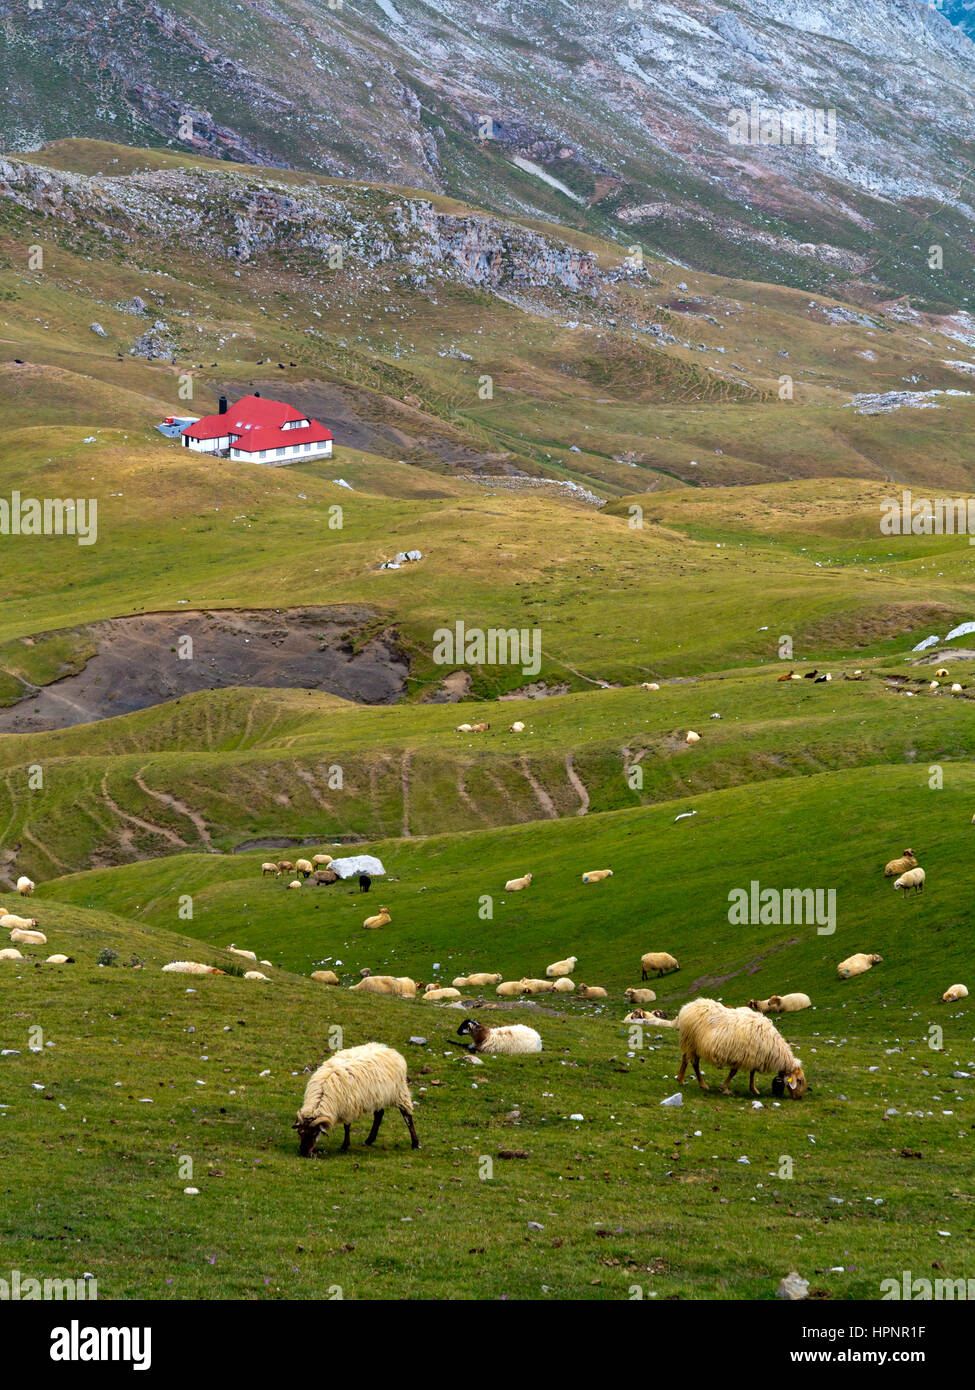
{"x": 606, "y": 116}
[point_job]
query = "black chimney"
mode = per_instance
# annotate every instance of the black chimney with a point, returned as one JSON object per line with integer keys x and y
{"x": 223, "y": 405}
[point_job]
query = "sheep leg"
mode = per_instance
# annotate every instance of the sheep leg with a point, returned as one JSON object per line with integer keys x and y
{"x": 683, "y": 1068}
{"x": 345, "y": 1142}
{"x": 751, "y": 1084}
{"x": 697, "y": 1072}
{"x": 727, "y": 1082}
{"x": 644, "y": 975}
{"x": 414, "y": 1142}
{"x": 377, "y": 1119}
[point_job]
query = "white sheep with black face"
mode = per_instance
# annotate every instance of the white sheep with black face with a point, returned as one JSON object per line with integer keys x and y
{"x": 507, "y": 1039}
{"x": 351, "y": 1083}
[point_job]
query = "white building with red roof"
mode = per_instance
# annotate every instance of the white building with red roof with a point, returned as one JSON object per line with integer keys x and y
{"x": 259, "y": 431}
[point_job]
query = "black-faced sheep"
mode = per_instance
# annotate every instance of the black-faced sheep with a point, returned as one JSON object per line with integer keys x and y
{"x": 781, "y": 1004}
{"x": 508, "y": 1039}
{"x": 740, "y": 1039}
{"x": 350, "y": 1084}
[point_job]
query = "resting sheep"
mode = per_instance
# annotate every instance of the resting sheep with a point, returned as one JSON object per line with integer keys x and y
{"x": 591, "y": 992}
{"x": 515, "y": 885}
{"x": 954, "y": 993}
{"x": 8, "y": 920}
{"x": 463, "y": 728}
{"x": 914, "y": 878}
{"x": 479, "y": 980}
{"x": 381, "y": 919}
{"x": 597, "y": 875}
{"x": 268, "y": 868}
{"x": 11, "y": 953}
{"x": 295, "y": 883}
{"x": 561, "y": 967}
{"x": 896, "y": 867}
{"x": 649, "y": 685}
{"x": 25, "y": 886}
{"x": 255, "y": 975}
{"x": 781, "y": 1004}
{"x": 435, "y": 995}
{"x": 325, "y": 977}
{"x": 856, "y": 965}
{"x": 191, "y": 967}
{"x": 517, "y": 727}
{"x": 654, "y": 1016}
{"x": 563, "y": 985}
{"x": 399, "y": 985}
{"x": 480, "y": 728}
{"x": 350, "y": 1084}
{"x": 538, "y": 986}
{"x": 740, "y": 1039}
{"x": 508, "y": 1039}
{"x": 508, "y": 988}
{"x": 239, "y": 951}
{"x": 29, "y": 938}
{"x": 661, "y": 961}
{"x": 639, "y": 996}
{"x": 60, "y": 960}
{"x": 692, "y": 737}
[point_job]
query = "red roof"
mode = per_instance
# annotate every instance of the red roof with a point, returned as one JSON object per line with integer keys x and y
{"x": 254, "y": 423}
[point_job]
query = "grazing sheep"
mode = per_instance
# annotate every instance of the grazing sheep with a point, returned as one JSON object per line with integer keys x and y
{"x": 321, "y": 860}
{"x": 28, "y": 938}
{"x": 255, "y": 975}
{"x": 432, "y": 994}
{"x": 856, "y": 965}
{"x": 655, "y": 1016}
{"x": 515, "y": 885}
{"x": 953, "y": 993}
{"x": 661, "y": 961}
{"x": 740, "y": 1039}
{"x": 399, "y": 985}
{"x": 942, "y": 671}
{"x": 350, "y": 1084}
{"x": 295, "y": 883}
{"x": 191, "y": 967}
{"x": 781, "y": 1004}
{"x": 11, "y": 953}
{"x": 692, "y": 737}
{"x": 508, "y": 988}
{"x": 538, "y": 986}
{"x": 480, "y": 980}
{"x": 325, "y": 977}
{"x": 365, "y": 883}
{"x": 597, "y": 875}
{"x": 914, "y": 878}
{"x": 8, "y": 920}
{"x": 563, "y": 985}
{"x": 239, "y": 951}
{"x": 381, "y": 919}
{"x": 639, "y": 996}
{"x": 508, "y": 1039}
{"x": 268, "y": 868}
{"x": 896, "y": 867}
{"x": 592, "y": 992}
{"x": 649, "y": 685}
{"x": 60, "y": 960}
{"x": 25, "y": 886}
{"x": 304, "y": 867}
{"x": 286, "y": 866}
{"x": 561, "y": 967}
{"x": 517, "y": 727}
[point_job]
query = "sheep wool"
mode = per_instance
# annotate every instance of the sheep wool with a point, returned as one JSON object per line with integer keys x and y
{"x": 649, "y": 685}
{"x": 739, "y": 1039}
{"x": 896, "y": 867}
{"x": 399, "y": 985}
{"x": 479, "y": 980}
{"x": 856, "y": 965}
{"x": 597, "y": 875}
{"x": 325, "y": 977}
{"x": 563, "y": 985}
{"x": 538, "y": 986}
{"x": 661, "y": 961}
{"x": 517, "y": 727}
{"x": 9, "y": 920}
{"x": 269, "y": 868}
{"x": 781, "y": 1004}
{"x": 239, "y": 951}
{"x": 914, "y": 878}
{"x": 255, "y": 975}
{"x": 692, "y": 737}
{"x": 955, "y": 992}
{"x": 25, "y": 886}
{"x": 508, "y": 988}
{"x": 506, "y": 1040}
{"x": 351, "y": 1083}
{"x": 592, "y": 992}
{"x": 655, "y": 1018}
{"x": 295, "y": 883}
{"x": 561, "y": 967}
{"x": 191, "y": 967}
{"x": 11, "y": 953}
{"x": 59, "y": 960}
{"x": 434, "y": 995}
{"x": 320, "y": 860}
{"x": 381, "y": 919}
{"x": 304, "y": 867}
{"x": 515, "y": 885}
{"x": 29, "y": 938}
{"x": 639, "y": 996}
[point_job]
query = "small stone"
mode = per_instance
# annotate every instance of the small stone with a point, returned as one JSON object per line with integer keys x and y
{"x": 793, "y": 1287}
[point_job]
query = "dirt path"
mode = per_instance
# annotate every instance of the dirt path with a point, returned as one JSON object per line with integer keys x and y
{"x": 541, "y": 795}
{"x": 177, "y": 805}
{"x": 578, "y": 784}
{"x": 125, "y": 837}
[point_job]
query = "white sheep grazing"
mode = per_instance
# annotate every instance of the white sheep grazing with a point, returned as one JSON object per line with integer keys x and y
{"x": 508, "y": 988}
{"x": 914, "y": 878}
{"x": 399, "y": 985}
{"x": 28, "y": 938}
{"x": 191, "y": 967}
{"x": 304, "y": 867}
{"x": 506, "y": 1040}
{"x": 517, "y": 727}
{"x": 639, "y": 996}
{"x": 25, "y": 886}
{"x": 561, "y": 967}
{"x": 325, "y": 977}
{"x": 239, "y": 951}
{"x": 381, "y": 919}
{"x": 661, "y": 961}
{"x": 295, "y": 883}
{"x": 896, "y": 867}
{"x": 350, "y": 1084}
{"x": 11, "y": 953}
{"x": 321, "y": 860}
{"x": 942, "y": 671}
{"x": 781, "y": 1004}
{"x": 515, "y": 885}
{"x": 564, "y": 985}
{"x": 692, "y": 737}
{"x": 597, "y": 875}
{"x": 954, "y": 993}
{"x": 480, "y": 980}
{"x": 268, "y": 868}
{"x": 255, "y": 975}
{"x": 538, "y": 986}
{"x": 740, "y": 1039}
{"x": 856, "y": 965}
{"x": 434, "y": 995}
{"x": 8, "y": 920}
{"x": 592, "y": 992}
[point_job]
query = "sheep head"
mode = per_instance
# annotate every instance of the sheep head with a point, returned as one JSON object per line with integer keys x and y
{"x": 309, "y": 1132}
{"x": 790, "y": 1083}
{"x": 760, "y": 1006}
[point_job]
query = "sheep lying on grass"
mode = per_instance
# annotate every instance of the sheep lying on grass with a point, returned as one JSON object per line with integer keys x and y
{"x": 8, "y": 920}
{"x": 25, "y": 886}
{"x": 650, "y": 1016}
{"x": 437, "y": 995}
{"x": 537, "y": 986}
{"x": 517, "y": 727}
{"x": 381, "y": 919}
{"x": 914, "y": 878}
{"x": 268, "y": 868}
{"x": 896, "y": 867}
{"x": 27, "y": 937}
{"x": 740, "y": 1039}
{"x": 591, "y": 992}
{"x": 597, "y": 875}
{"x": 60, "y": 960}
{"x": 480, "y": 980}
{"x": 191, "y": 967}
{"x": 561, "y": 967}
{"x": 781, "y": 1004}
{"x": 508, "y": 1039}
{"x": 649, "y": 685}
{"x": 509, "y": 988}
{"x": 11, "y": 953}
{"x": 255, "y": 975}
{"x": 856, "y": 965}
{"x": 515, "y": 885}
{"x": 239, "y": 951}
{"x": 660, "y": 961}
{"x": 639, "y": 996}
{"x": 954, "y": 993}
{"x": 295, "y": 883}
{"x": 325, "y": 977}
{"x": 564, "y": 985}
{"x": 399, "y": 985}
{"x": 350, "y": 1084}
